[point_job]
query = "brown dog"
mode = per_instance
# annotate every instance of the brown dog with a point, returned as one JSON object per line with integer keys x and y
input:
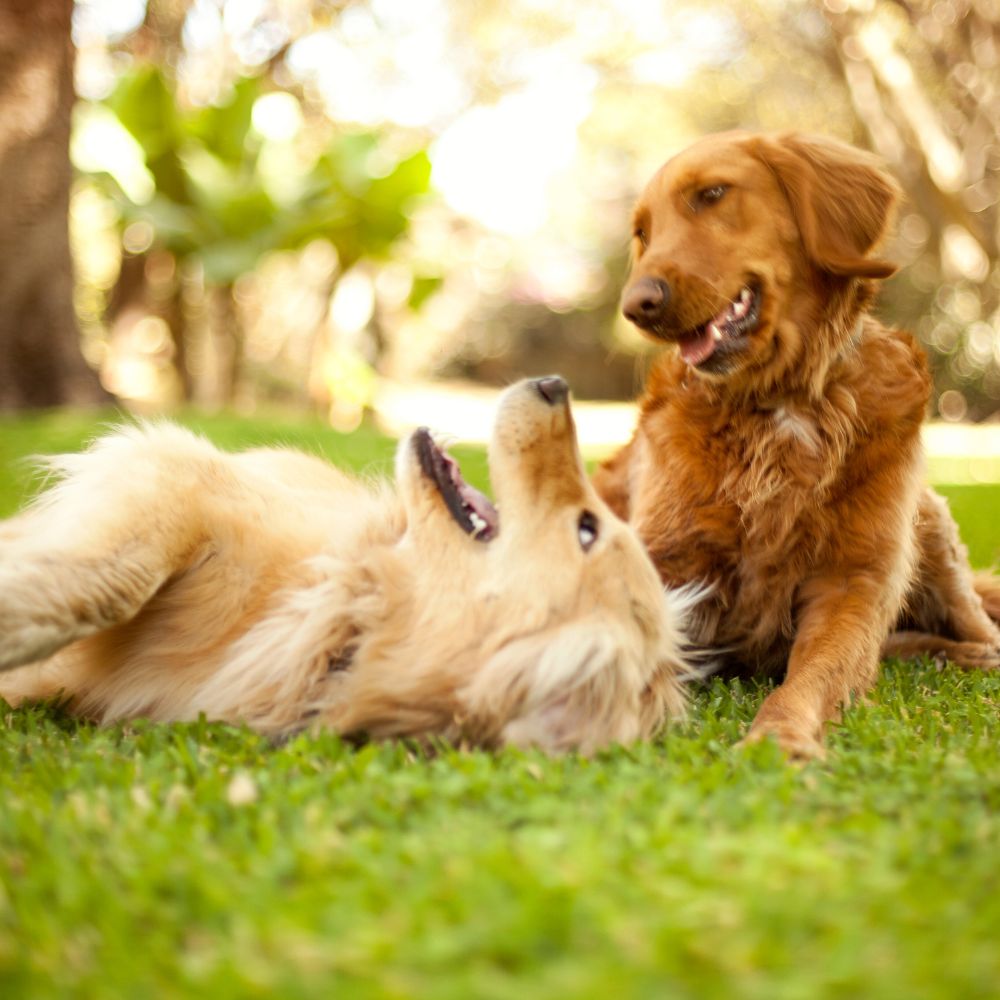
{"x": 778, "y": 453}
{"x": 164, "y": 578}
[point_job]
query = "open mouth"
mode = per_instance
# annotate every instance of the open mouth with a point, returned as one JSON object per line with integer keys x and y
{"x": 472, "y": 510}
{"x": 724, "y": 330}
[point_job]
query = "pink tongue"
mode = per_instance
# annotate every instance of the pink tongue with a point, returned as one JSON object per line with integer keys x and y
{"x": 699, "y": 348}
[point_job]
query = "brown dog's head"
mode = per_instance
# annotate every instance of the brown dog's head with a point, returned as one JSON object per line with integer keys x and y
{"x": 742, "y": 241}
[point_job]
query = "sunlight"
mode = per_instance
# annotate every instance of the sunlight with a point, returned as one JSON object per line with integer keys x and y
{"x": 692, "y": 40}
{"x": 100, "y": 143}
{"x": 106, "y": 18}
{"x": 962, "y": 254}
{"x": 390, "y": 63}
{"x": 944, "y": 160}
{"x": 497, "y": 164}
{"x": 277, "y": 116}
{"x": 352, "y": 303}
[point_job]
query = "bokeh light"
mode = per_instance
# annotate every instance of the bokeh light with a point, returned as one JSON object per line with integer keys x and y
{"x": 277, "y": 212}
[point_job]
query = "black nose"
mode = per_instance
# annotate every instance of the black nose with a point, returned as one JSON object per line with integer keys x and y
{"x": 553, "y": 389}
{"x": 645, "y": 302}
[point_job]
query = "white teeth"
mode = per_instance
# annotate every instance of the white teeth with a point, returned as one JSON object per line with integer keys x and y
{"x": 734, "y": 312}
{"x": 741, "y": 306}
{"x": 477, "y": 523}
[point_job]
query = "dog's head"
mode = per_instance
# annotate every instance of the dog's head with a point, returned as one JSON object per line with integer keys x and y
{"x": 741, "y": 241}
{"x": 548, "y": 600}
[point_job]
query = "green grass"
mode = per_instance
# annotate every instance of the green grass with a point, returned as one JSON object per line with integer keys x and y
{"x": 977, "y": 510}
{"x": 131, "y": 867}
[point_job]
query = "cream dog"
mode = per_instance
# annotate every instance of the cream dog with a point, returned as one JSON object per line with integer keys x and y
{"x": 163, "y": 578}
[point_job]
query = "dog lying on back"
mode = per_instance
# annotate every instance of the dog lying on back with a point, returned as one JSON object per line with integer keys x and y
{"x": 163, "y": 578}
{"x": 778, "y": 454}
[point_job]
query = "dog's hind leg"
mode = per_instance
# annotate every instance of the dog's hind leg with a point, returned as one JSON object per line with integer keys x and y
{"x": 949, "y": 610}
{"x": 988, "y": 588}
{"x": 93, "y": 549}
{"x": 971, "y": 655}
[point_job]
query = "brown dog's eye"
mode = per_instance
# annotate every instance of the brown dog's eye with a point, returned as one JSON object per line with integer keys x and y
{"x": 709, "y": 196}
{"x": 640, "y": 235}
{"x": 587, "y": 530}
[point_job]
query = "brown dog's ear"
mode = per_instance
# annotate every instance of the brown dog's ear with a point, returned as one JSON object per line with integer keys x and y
{"x": 841, "y": 197}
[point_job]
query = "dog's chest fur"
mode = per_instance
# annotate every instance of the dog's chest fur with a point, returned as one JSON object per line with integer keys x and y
{"x": 743, "y": 498}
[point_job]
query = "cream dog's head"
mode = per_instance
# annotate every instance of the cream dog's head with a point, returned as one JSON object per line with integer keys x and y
{"x": 543, "y": 614}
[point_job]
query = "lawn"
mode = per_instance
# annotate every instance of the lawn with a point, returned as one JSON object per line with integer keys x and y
{"x": 198, "y": 860}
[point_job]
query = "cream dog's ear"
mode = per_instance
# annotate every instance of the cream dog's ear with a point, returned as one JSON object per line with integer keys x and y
{"x": 578, "y": 686}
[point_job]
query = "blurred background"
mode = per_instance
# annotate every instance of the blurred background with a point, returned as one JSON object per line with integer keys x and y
{"x": 345, "y": 206}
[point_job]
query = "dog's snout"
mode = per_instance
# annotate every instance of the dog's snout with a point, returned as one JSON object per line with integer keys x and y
{"x": 553, "y": 389}
{"x": 645, "y": 302}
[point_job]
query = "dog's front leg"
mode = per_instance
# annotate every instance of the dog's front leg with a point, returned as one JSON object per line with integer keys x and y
{"x": 841, "y": 623}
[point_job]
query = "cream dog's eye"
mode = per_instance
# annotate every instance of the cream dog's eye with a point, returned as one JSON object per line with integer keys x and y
{"x": 587, "y": 530}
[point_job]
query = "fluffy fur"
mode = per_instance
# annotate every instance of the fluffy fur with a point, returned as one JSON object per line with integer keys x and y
{"x": 778, "y": 455}
{"x": 163, "y": 578}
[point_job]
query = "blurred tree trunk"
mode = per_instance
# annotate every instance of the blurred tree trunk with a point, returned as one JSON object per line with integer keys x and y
{"x": 149, "y": 284}
{"x": 40, "y": 359}
{"x": 225, "y": 345}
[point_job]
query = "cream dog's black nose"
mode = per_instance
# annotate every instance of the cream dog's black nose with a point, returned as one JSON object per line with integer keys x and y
{"x": 645, "y": 302}
{"x": 553, "y": 389}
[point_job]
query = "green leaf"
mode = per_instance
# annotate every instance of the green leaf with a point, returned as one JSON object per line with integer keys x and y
{"x": 213, "y": 201}
{"x": 145, "y": 105}
{"x": 177, "y": 227}
{"x": 410, "y": 177}
{"x": 225, "y": 261}
{"x": 423, "y": 288}
{"x": 232, "y": 200}
{"x": 224, "y": 129}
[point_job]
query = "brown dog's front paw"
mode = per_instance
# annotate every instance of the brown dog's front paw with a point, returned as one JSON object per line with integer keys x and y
{"x": 792, "y": 723}
{"x": 795, "y": 743}
{"x": 798, "y": 736}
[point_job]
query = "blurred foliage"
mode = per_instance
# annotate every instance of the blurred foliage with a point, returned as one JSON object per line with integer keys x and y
{"x": 213, "y": 203}
{"x": 924, "y": 82}
{"x": 213, "y": 195}
{"x": 542, "y": 119}
{"x": 918, "y": 82}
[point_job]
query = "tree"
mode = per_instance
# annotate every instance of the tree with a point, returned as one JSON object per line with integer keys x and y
{"x": 40, "y": 359}
{"x": 922, "y": 78}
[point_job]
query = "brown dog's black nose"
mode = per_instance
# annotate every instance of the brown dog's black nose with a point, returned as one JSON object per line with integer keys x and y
{"x": 645, "y": 302}
{"x": 553, "y": 389}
